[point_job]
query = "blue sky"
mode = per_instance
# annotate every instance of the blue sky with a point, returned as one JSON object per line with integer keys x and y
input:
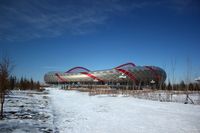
{"x": 48, "y": 35}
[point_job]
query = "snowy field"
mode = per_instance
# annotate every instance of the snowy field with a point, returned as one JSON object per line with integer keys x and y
{"x": 61, "y": 111}
{"x": 76, "y": 112}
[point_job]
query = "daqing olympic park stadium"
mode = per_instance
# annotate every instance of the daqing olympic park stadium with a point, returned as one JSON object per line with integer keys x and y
{"x": 125, "y": 74}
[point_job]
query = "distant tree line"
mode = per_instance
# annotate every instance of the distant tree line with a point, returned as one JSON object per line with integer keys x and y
{"x": 182, "y": 86}
{"x": 23, "y": 83}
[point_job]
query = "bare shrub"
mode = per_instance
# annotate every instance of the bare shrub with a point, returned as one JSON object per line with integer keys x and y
{"x": 5, "y": 68}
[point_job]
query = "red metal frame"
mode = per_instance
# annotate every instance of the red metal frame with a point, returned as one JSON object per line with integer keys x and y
{"x": 153, "y": 71}
{"x": 60, "y": 78}
{"x": 78, "y": 67}
{"x": 85, "y": 72}
{"x": 92, "y": 76}
{"x": 127, "y": 73}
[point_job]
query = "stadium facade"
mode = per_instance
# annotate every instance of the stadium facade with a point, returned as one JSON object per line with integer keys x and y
{"x": 124, "y": 74}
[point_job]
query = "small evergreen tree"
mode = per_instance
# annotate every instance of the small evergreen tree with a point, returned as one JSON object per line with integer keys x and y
{"x": 196, "y": 87}
{"x": 169, "y": 86}
{"x": 163, "y": 86}
{"x": 38, "y": 85}
{"x": 182, "y": 85}
{"x": 12, "y": 82}
{"x": 191, "y": 87}
{"x": 31, "y": 84}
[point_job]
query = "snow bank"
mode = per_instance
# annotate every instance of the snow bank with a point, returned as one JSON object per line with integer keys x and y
{"x": 76, "y": 112}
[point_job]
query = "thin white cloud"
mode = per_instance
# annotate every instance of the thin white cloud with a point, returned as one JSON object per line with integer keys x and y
{"x": 25, "y": 19}
{"x": 30, "y": 19}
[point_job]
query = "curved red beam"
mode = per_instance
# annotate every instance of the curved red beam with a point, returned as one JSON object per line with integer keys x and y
{"x": 129, "y": 63}
{"x": 127, "y": 73}
{"x": 60, "y": 78}
{"x": 79, "y": 67}
{"x": 153, "y": 71}
{"x": 92, "y": 76}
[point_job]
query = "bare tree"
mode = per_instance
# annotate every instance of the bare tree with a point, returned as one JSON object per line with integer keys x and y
{"x": 188, "y": 80}
{"x": 5, "y": 68}
{"x": 173, "y": 67}
{"x": 188, "y": 71}
{"x": 168, "y": 76}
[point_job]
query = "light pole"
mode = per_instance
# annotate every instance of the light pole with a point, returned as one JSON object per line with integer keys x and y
{"x": 152, "y": 83}
{"x": 122, "y": 76}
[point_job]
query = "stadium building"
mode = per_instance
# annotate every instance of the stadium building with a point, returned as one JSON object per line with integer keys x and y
{"x": 125, "y": 74}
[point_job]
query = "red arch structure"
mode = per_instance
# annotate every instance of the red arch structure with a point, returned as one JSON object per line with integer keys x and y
{"x": 125, "y": 72}
{"x": 84, "y": 71}
{"x": 126, "y": 64}
{"x": 77, "y": 68}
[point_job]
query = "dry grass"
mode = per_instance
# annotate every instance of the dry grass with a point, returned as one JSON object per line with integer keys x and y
{"x": 157, "y": 95}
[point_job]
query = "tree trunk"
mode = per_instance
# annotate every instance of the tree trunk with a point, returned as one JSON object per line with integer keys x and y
{"x": 2, "y": 103}
{"x": 1, "y": 115}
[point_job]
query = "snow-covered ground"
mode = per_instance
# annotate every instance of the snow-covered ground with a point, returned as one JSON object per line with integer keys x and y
{"x": 27, "y": 112}
{"x": 62, "y": 111}
{"x": 76, "y": 112}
